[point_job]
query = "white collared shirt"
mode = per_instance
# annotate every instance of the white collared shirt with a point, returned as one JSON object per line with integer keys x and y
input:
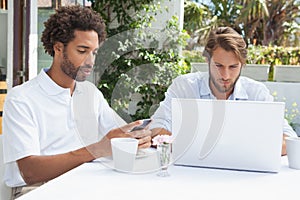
{"x": 42, "y": 118}
{"x": 196, "y": 85}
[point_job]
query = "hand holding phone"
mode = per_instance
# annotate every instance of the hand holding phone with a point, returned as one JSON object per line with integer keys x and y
{"x": 142, "y": 126}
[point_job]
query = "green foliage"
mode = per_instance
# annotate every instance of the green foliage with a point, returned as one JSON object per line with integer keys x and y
{"x": 126, "y": 14}
{"x": 193, "y": 56}
{"x": 270, "y": 55}
{"x": 273, "y": 55}
{"x": 194, "y": 15}
{"x": 265, "y": 22}
{"x": 137, "y": 63}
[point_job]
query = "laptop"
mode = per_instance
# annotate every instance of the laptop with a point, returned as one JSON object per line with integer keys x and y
{"x": 225, "y": 134}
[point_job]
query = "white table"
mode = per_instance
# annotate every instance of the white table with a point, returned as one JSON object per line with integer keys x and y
{"x": 96, "y": 181}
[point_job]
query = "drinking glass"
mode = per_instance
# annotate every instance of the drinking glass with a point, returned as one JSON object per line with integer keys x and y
{"x": 164, "y": 152}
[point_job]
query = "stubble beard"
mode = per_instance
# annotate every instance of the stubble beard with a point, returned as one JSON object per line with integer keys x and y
{"x": 221, "y": 88}
{"x": 68, "y": 67}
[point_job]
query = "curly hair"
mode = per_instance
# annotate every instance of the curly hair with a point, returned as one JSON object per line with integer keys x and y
{"x": 228, "y": 39}
{"x": 61, "y": 25}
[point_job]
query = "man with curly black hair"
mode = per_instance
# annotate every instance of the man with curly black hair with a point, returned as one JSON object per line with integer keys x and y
{"x": 58, "y": 121}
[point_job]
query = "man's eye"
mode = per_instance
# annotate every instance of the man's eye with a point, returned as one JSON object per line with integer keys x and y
{"x": 81, "y": 51}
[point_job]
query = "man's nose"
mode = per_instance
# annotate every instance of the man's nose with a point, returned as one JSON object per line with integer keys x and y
{"x": 90, "y": 59}
{"x": 225, "y": 74}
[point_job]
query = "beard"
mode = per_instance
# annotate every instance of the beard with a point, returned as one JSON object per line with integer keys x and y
{"x": 76, "y": 73}
{"x": 222, "y": 88}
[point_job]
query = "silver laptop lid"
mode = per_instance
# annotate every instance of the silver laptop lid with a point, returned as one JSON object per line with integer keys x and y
{"x": 241, "y": 135}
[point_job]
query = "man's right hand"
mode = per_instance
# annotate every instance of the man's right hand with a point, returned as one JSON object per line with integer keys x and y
{"x": 103, "y": 147}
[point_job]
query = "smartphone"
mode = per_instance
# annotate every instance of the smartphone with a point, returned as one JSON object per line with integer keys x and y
{"x": 142, "y": 126}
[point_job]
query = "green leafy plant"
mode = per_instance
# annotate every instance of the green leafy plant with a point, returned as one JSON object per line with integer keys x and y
{"x": 193, "y": 56}
{"x": 261, "y": 22}
{"x": 137, "y": 60}
{"x": 273, "y": 55}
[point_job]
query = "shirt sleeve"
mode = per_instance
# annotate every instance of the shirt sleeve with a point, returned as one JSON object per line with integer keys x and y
{"x": 108, "y": 119}
{"x": 181, "y": 87}
{"x": 20, "y": 134}
{"x": 288, "y": 130}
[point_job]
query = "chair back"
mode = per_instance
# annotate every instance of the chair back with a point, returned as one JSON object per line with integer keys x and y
{"x": 5, "y": 192}
{"x": 286, "y": 73}
{"x": 256, "y": 71}
{"x": 199, "y": 67}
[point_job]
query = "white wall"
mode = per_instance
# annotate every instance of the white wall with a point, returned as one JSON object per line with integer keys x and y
{"x": 33, "y": 40}
{"x": 175, "y": 7}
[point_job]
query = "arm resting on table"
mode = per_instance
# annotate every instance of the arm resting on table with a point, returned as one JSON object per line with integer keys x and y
{"x": 36, "y": 169}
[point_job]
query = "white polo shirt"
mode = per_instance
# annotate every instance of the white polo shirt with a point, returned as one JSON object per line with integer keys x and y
{"x": 196, "y": 86}
{"x": 42, "y": 118}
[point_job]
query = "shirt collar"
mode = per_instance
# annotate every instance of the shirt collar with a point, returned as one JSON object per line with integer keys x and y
{"x": 79, "y": 87}
{"x": 48, "y": 85}
{"x": 239, "y": 92}
{"x": 205, "y": 92}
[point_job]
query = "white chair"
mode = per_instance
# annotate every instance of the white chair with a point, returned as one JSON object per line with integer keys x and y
{"x": 286, "y": 73}
{"x": 196, "y": 67}
{"x": 256, "y": 71}
{"x": 5, "y": 192}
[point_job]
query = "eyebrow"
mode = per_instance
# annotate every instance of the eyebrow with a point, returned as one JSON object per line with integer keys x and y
{"x": 236, "y": 64}
{"x": 83, "y": 46}
{"x": 86, "y": 47}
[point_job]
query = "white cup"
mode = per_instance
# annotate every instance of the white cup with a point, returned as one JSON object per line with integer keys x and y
{"x": 293, "y": 152}
{"x": 124, "y": 152}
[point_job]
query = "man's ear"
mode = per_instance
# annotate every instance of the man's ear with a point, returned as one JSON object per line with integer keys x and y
{"x": 58, "y": 48}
